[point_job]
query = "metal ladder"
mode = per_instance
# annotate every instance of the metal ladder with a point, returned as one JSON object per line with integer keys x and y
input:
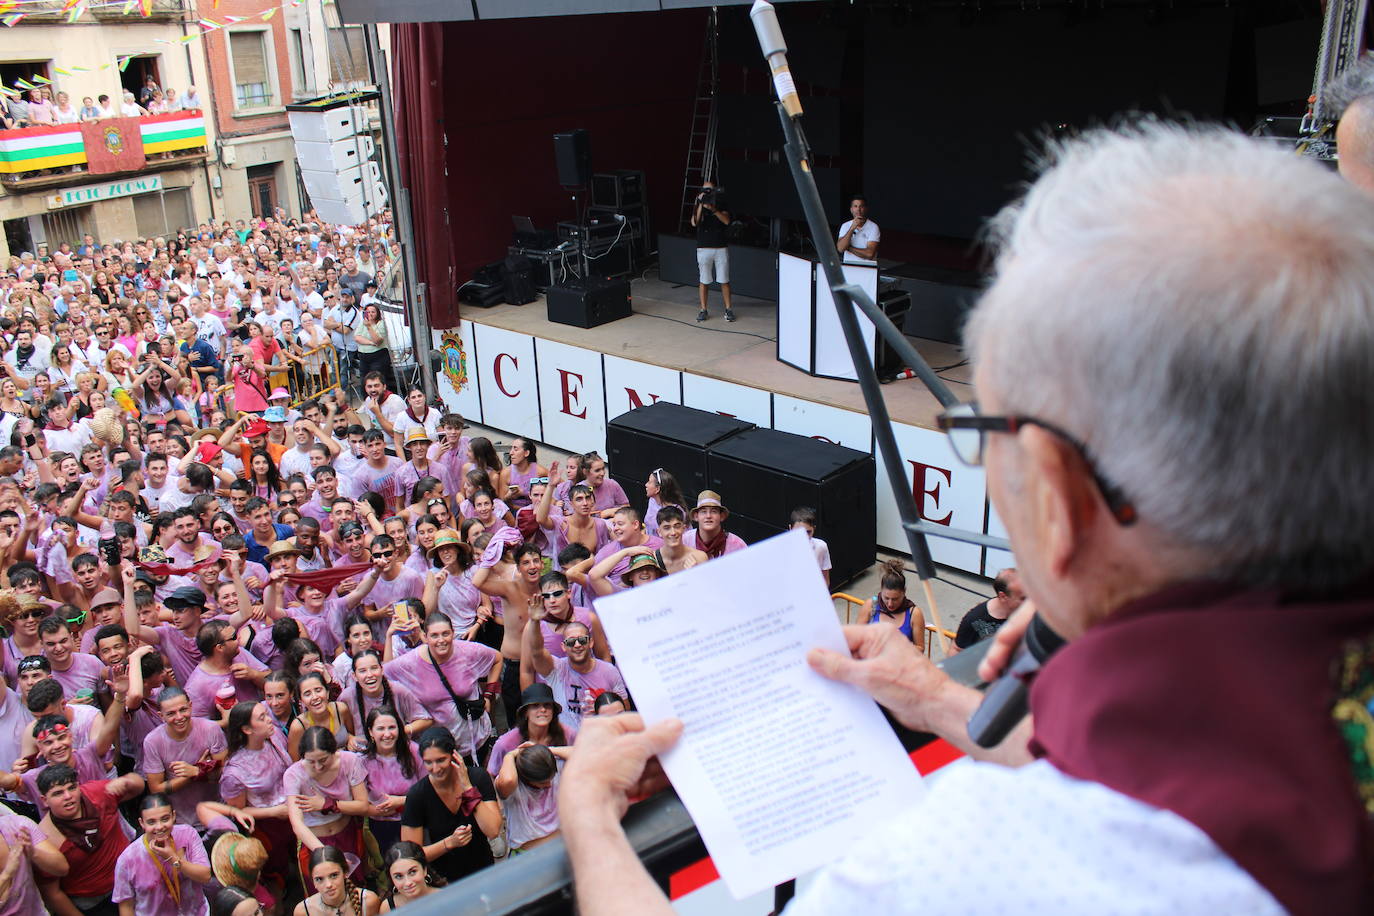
{"x": 1341, "y": 40}
{"x": 701, "y": 141}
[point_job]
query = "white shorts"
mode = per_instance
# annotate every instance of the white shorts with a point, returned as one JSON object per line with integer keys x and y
{"x": 713, "y": 259}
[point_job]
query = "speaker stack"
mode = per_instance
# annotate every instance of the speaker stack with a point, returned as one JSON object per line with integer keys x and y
{"x": 334, "y": 149}
{"x": 761, "y": 474}
{"x": 669, "y": 436}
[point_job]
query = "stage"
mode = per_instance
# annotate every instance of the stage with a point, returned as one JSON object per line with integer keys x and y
{"x": 663, "y": 331}
{"x": 519, "y": 373}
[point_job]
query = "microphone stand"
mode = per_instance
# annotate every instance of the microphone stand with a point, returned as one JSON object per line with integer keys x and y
{"x": 848, "y": 297}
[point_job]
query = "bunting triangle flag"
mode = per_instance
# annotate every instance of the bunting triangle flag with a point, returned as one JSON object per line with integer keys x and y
{"x": 8, "y": 5}
{"x": 270, "y": 13}
{"x": 12, "y": 18}
{"x": 40, "y": 78}
{"x": 147, "y": 6}
{"x": 23, "y": 84}
{"x": 124, "y": 61}
{"x": 60, "y": 72}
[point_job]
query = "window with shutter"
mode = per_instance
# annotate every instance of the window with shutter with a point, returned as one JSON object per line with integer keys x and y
{"x": 252, "y": 75}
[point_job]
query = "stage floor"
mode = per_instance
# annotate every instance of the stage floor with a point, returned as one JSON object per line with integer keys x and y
{"x": 663, "y": 331}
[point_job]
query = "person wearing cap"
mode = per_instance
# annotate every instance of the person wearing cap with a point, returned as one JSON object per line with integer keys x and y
{"x": 247, "y": 434}
{"x": 106, "y": 609}
{"x": 176, "y": 640}
{"x": 576, "y": 679}
{"x": 536, "y": 722}
{"x": 642, "y": 564}
{"x": 419, "y": 466}
{"x": 306, "y": 435}
{"x": 710, "y": 536}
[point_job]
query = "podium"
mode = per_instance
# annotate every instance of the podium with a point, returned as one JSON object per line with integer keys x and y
{"x": 809, "y": 334}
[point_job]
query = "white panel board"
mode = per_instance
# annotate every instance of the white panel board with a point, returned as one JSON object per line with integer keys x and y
{"x": 465, "y": 400}
{"x": 571, "y": 398}
{"x": 822, "y": 421}
{"x": 795, "y": 285}
{"x": 752, "y": 404}
{"x": 997, "y": 559}
{"x": 946, "y": 492}
{"x": 631, "y": 384}
{"x": 832, "y": 352}
{"x": 506, "y": 374}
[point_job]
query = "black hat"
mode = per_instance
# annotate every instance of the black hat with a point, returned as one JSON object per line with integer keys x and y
{"x": 144, "y": 576}
{"x": 186, "y": 596}
{"x": 535, "y": 694}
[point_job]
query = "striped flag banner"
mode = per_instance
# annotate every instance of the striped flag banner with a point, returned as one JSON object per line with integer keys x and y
{"x": 31, "y": 148}
{"x": 178, "y": 130}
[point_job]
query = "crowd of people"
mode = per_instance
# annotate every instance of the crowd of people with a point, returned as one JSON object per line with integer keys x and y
{"x": 276, "y": 633}
{"x": 42, "y": 106}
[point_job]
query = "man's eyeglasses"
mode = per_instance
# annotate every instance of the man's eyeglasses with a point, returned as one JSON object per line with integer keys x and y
{"x": 286, "y": 502}
{"x": 557, "y": 593}
{"x": 382, "y": 554}
{"x": 535, "y": 480}
{"x": 967, "y": 430}
{"x": 576, "y": 641}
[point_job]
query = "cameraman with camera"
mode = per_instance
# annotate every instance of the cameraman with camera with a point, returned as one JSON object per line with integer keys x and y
{"x": 710, "y": 217}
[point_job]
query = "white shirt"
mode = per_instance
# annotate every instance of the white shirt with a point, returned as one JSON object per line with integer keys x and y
{"x": 866, "y": 235}
{"x": 351, "y": 318}
{"x": 211, "y": 330}
{"x": 36, "y": 363}
{"x": 173, "y": 498}
{"x": 1030, "y": 840}
{"x": 72, "y": 439}
{"x": 392, "y": 407}
{"x": 296, "y": 461}
{"x": 130, "y": 110}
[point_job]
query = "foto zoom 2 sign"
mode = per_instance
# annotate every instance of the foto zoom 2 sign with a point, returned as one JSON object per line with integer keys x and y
{"x": 564, "y": 395}
{"x": 94, "y": 193}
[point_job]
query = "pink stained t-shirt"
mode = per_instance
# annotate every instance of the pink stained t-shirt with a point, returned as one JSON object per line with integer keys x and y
{"x": 576, "y": 691}
{"x": 406, "y": 705}
{"x": 386, "y": 592}
{"x": 180, "y": 650}
{"x": 160, "y": 750}
{"x": 385, "y": 777}
{"x": 459, "y": 598}
{"x": 298, "y": 781}
{"x": 202, "y": 686}
{"x": 138, "y": 878}
{"x": 465, "y": 669}
{"x": 23, "y": 898}
{"x": 83, "y": 678}
{"x": 257, "y": 775}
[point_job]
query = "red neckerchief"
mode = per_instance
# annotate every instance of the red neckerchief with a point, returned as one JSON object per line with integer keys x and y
{"x": 715, "y": 547}
{"x": 1216, "y": 703}
{"x": 327, "y": 579}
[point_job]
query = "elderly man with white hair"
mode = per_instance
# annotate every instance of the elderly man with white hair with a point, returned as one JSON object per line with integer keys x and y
{"x": 1173, "y": 370}
{"x": 1350, "y": 99}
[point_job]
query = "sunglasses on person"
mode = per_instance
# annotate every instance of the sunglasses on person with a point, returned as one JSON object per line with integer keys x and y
{"x": 76, "y": 620}
{"x": 549, "y": 596}
{"x": 572, "y": 641}
{"x": 33, "y": 663}
{"x": 59, "y": 729}
{"x": 37, "y": 613}
{"x": 382, "y": 554}
{"x": 286, "y": 502}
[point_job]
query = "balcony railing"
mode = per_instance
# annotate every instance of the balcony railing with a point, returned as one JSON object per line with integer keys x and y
{"x": 57, "y": 154}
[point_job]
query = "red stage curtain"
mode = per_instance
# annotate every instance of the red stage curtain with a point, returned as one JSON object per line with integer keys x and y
{"x": 418, "y": 82}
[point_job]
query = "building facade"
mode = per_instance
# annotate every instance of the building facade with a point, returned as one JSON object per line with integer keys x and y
{"x": 117, "y": 179}
{"x": 256, "y": 67}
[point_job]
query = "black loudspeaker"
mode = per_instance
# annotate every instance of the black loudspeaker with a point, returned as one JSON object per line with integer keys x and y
{"x": 669, "y": 436}
{"x": 572, "y": 151}
{"x": 763, "y": 474}
{"x": 589, "y": 303}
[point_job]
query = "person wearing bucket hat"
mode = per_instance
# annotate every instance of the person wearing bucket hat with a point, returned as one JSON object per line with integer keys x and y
{"x": 536, "y": 721}
{"x": 274, "y": 414}
{"x": 710, "y": 535}
{"x": 576, "y": 679}
{"x": 419, "y": 466}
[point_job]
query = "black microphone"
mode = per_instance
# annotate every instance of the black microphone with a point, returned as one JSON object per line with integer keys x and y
{"x": 1008, "y": 699}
